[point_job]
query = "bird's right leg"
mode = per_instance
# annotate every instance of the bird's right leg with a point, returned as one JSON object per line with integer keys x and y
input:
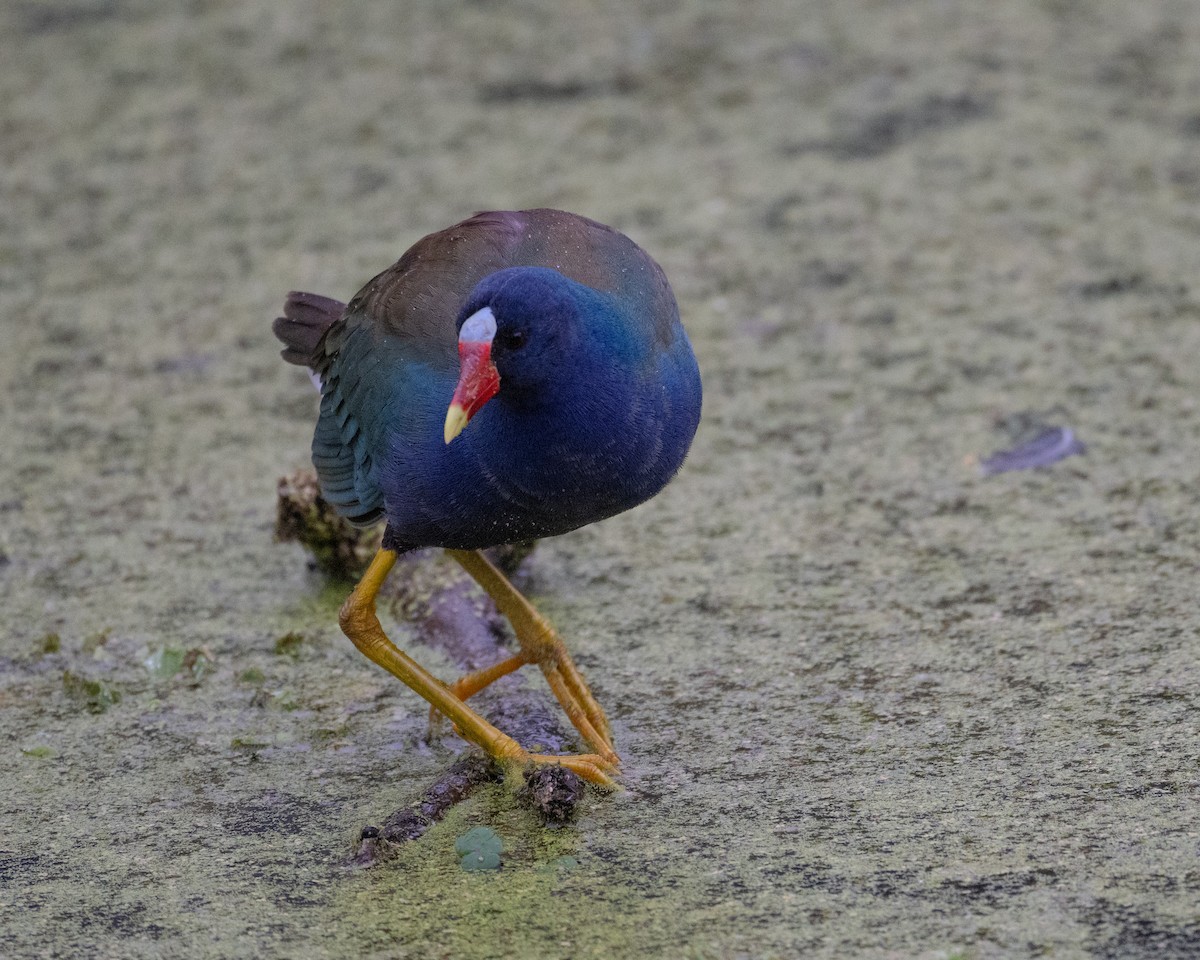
{"x": 541, "y": 645}
{"x": 361, "y": 624}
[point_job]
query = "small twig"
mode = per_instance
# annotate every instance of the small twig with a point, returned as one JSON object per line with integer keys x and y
{"x": 376, "y": 844}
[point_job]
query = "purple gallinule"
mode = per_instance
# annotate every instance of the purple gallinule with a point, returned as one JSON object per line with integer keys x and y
{"x": 515, "y": 376}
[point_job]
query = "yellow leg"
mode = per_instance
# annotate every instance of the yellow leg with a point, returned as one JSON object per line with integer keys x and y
{"x": 360, "y": 623}
{"x": 540, "y": 644}
{"x": 467, "y": 686}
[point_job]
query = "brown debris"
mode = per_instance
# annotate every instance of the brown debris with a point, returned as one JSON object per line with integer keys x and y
{"x": 554, "y": 792}
{"x": 377, "y": 844}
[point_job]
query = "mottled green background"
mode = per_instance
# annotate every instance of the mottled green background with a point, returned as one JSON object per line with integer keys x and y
{"x": 871, "y": 704}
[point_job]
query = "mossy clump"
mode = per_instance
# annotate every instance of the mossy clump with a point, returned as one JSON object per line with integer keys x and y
{"x": 554, "y": 792}
{"x": 338, "y": 548}
{"x": 289, "y": 644}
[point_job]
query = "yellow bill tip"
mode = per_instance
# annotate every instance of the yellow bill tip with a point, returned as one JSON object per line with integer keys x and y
{"x": 456, "y": 420}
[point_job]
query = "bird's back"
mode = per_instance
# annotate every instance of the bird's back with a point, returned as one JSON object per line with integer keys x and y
{"x": 421, "y": 294}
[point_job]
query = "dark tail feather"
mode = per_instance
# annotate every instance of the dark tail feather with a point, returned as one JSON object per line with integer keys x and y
{"x": 306, "y": 317}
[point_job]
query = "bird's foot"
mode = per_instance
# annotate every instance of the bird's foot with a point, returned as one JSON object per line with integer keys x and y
{"x": 590, "y": 766}
{"x": 569, "y": 687}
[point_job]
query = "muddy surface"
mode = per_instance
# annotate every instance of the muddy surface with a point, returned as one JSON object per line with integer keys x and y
{"x": 870, "y": 702}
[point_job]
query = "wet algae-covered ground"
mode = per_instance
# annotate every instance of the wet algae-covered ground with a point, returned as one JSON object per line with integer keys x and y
{"x": 871, "y": 703}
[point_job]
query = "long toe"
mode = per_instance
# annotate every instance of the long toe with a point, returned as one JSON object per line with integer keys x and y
{"x": 590, "y": 766}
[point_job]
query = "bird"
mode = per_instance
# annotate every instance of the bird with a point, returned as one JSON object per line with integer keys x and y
{"x": 514, "y": 376}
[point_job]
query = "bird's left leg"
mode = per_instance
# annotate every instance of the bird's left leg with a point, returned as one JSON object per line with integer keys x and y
{"x": 540, "y": 644}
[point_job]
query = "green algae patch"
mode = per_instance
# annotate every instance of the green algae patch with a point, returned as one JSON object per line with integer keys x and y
{"x": 286, "y": 699}
{"x": 868, "y": 704}
{"x": 249, "y": 742}
{"x": 550, "y": 899}
{"x": 560, "y": 864}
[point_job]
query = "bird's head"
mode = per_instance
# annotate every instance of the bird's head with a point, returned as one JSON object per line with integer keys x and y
{"x": 517, "y": 331}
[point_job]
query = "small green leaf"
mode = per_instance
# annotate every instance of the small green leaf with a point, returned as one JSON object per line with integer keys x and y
{"x": 481, "y": 860}
{"x": 479, "y": 840}
{"x": 164, "y": 662}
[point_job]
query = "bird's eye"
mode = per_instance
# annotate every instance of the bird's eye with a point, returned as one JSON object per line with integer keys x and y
{"x": 511, "y": 339}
